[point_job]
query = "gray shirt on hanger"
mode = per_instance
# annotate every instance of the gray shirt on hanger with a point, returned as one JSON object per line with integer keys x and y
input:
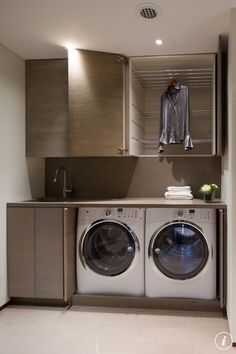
{"x": 174, "y": 118}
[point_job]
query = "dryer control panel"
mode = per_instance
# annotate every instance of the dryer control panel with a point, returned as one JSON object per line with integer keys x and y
{"x": 196, "y": 215}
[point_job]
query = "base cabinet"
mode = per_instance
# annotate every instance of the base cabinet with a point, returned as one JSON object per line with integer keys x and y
{"x": 41, "y": 252}
{"x": 20, "y": 252}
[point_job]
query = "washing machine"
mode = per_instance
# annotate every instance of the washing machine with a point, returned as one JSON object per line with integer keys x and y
{"x": 180, "y": 253}
{"x": 110, "y": 251}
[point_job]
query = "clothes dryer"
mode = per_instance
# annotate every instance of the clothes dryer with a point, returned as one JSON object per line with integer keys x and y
{"x": 180, "y": 255}
{"x": 110, "y": 251}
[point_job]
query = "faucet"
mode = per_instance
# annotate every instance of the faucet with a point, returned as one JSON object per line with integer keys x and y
{"x": 65, "y": 190}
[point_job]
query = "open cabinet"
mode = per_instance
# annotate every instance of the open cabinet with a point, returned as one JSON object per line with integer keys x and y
{"x": 103, "y": 104}
{"x": 149, "y": 78}
{"x": 97, "y": 101}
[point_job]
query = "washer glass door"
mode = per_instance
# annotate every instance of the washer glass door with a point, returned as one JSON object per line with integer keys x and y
{"x": 109, "y": 247}
{"x": 179, "y": 250}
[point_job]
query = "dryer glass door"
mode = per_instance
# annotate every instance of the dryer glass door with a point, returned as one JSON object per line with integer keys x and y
{"x": 179, "y": 250}
{"x": 109, "y": 247}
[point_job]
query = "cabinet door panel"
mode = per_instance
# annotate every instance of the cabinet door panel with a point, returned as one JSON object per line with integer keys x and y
{"x": 95, "y": 103}
{"x": 47, "y": 107}
{"x": 20, "y": 252}
{"x": 69, "y": 252}
{"x": 49, "y": 253}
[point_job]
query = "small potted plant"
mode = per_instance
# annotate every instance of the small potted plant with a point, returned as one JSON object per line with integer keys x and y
{"x": 209, "y": 191}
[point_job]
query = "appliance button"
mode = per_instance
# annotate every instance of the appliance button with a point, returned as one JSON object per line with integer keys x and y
{"x": 180, "y": 213}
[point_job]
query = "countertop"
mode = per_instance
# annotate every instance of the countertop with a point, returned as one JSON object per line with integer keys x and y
{"x": 120, "y": 202}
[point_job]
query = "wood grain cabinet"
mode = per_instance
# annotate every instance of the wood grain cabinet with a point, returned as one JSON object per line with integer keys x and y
{"x": 76, "y": 107}
{"x": 96, "y": 103}
{"x": 46, "y": 108}
{"x": 41, "y": 252}
{"x": 101, "y": 104}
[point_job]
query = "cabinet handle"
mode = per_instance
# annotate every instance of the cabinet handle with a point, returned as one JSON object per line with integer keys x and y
{"x": 121, "y": 151}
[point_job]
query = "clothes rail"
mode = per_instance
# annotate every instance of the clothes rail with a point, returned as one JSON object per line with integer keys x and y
{"x": 156, "y": 142}
{"x": 193, "y": 113}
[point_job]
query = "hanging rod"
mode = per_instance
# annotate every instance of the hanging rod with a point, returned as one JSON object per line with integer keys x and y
{"x": 183, "y": 82}
{"x": 163, "y": 86}
{"x": 194, "y": 78}
{"x": 156, "y": 142}
{"x": 186, "y": 75}
{"x": 210, "y": 70}
{"x": 193, "y": 113}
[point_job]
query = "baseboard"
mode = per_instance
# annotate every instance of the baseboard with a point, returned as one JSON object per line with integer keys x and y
{"x": 38, "y": 302}
{"x": 146, "y": 303}
{"x": 125, "y": 302}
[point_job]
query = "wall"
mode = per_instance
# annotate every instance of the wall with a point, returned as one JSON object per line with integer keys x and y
{"x": 229, "y": 177}
{"x": 18, "y": 176}
{"x": 131, "y": 177}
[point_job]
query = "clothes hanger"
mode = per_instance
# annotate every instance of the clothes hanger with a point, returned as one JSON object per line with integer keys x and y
{"x": 173, "y": 81}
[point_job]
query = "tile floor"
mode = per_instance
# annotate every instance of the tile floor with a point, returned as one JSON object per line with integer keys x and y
{"x": 38, "y": 330}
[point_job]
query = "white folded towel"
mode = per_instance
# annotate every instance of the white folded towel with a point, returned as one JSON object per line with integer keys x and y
{"x": 183, "y": 195}
{"x": 180, "y": 192}
{"x": 179, "y": 189}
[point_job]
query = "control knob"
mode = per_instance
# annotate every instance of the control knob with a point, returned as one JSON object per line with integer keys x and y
{"x": 180, "y": 213}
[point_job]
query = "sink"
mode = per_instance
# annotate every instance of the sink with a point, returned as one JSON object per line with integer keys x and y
{"x": 52, "y": 200}
{"x": 68, "y": 200}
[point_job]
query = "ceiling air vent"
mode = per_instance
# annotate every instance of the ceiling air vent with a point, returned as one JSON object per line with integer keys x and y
{"x": 148, "y": 11}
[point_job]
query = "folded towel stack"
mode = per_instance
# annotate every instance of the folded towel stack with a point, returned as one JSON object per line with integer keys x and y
{"x": 175, "y": 192}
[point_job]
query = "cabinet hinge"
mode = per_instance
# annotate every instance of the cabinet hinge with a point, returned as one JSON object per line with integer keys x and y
{"x": 122, "y": 59}
{"x": 121, "y": 151}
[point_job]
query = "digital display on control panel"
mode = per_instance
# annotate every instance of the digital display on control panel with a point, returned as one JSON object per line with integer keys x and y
{"x": 119, "y": 210}
{"x": 191, "y": 211}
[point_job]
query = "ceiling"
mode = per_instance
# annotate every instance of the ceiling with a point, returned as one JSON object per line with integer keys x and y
{"x": 40, "y": 29}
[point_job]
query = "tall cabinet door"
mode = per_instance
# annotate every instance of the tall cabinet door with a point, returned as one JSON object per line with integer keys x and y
{"x": 49, "y": 253}
{"x": 96, "y": 103}
{"x": 47, "y": 107}
{"x": 20, "y": 252}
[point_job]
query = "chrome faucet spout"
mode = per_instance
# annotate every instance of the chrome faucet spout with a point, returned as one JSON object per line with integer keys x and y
{"x": 65, "y": 190}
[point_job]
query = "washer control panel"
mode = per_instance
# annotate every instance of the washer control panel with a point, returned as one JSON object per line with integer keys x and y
{"x": 196, "y": 215}
{"x": 92, "y": 214}
{"x": 130, "y": 213}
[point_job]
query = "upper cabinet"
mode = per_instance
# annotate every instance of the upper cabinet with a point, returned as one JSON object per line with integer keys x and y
{"x": 84, "y": 118}
{"x": 96, "y": 103}
{"x": 46, "y": 108}
{"x": 172, "y": 97}
{"x": 100, "y": 104}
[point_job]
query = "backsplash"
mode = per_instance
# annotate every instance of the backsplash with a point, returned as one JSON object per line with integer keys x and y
{"x": 117, "y": 177}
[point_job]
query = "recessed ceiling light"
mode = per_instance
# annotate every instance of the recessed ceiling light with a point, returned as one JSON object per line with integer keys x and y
{"x": 159, "y": 41}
